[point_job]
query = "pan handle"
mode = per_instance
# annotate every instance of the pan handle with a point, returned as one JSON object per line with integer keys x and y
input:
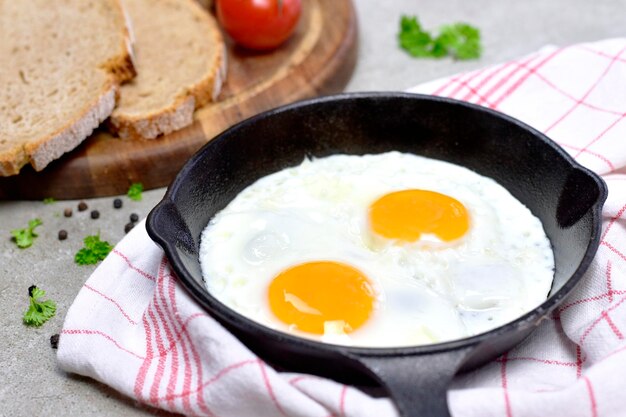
{"x": 418, "y": 384}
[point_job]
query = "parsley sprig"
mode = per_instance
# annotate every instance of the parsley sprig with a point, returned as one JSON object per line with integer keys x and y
{"x": 94, "y": 251}
{"x": 459, "y": 40}
{"x": 24, "y": 238}
{"x": 135, "y": 190}
{"x": 38, "y": 311}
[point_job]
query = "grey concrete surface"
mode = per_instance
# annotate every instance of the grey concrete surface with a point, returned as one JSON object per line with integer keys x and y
{"x": 30, "y": 382}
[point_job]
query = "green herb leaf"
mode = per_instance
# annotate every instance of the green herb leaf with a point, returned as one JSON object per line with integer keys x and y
{"x": 413, "y": 39}
{"x": 38, "y": 311}
{"x": 135, "y": 190}
{"x": 459, "y": 40}
{"x": 94, "y": 251}
{"x": 24, "y": 237}
{"x": 49, "y": 200}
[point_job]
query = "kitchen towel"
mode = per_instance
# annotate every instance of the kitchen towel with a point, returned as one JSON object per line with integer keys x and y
{"x": 134, "y": 328}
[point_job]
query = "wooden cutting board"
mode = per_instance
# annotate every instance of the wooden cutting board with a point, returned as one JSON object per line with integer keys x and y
{"x": 318, "y": 59}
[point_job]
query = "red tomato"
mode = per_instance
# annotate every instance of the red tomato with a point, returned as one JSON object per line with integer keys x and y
{"x": 259, "y": 24}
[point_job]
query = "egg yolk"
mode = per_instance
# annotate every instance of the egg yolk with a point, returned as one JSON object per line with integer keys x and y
{"x": 310, "y": 294}
{"x": 406, "y": 215}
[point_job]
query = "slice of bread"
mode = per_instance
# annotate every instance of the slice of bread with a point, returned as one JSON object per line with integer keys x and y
{"x": 180, "y": 60}
{"x": 62, "y": 62}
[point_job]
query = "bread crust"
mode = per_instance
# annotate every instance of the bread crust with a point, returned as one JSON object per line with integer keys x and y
{"x": 122, "y": 66}
{"x": 180, "y": 113}
{"x": 41, "y": 151}
{"x": 45, "y": 151}
{"x": 176, "y": 117}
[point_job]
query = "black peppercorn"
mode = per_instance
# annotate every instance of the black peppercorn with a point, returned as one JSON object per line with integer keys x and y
{"x": 62, "y": 234}
{"x": 54, "y": 341}
{"x": 82, "y": 206}
{"x": 117, "y": 203}
{"x": 95, "y": 214}
{"x": 128, "y": 227}
{"x": 134, "y": 217}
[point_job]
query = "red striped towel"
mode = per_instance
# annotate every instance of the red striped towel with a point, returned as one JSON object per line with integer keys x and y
{"x": 133, "y": 328}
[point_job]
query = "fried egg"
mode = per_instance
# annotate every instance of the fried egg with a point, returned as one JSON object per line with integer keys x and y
{"x": 380, "y": 250}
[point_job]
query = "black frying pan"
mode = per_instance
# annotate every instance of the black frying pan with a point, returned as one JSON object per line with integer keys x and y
{"x": 565, "y": 196}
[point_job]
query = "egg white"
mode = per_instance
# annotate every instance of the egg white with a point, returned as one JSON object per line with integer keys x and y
{"x": 426, "y": 292}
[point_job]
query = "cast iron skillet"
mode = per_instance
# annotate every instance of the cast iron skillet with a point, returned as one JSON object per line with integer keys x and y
{"x": 565, "y": 196}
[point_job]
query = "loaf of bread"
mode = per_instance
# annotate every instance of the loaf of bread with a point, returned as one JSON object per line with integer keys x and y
{"x": 62, "y": 63}
{"x": 180, "y": 59}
